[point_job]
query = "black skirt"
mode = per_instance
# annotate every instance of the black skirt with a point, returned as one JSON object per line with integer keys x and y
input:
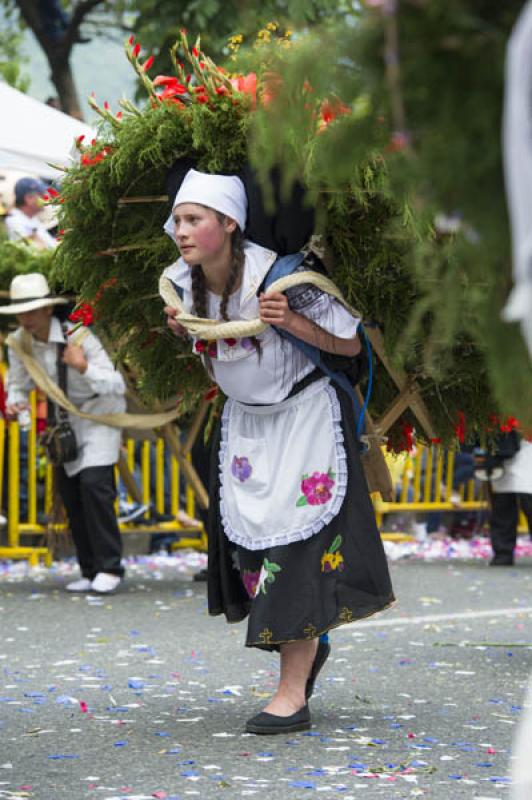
{"x": 302, "y": 590}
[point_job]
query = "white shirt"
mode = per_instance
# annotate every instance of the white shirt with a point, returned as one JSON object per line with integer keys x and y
{"x": 241, "y": 372}
{"x": 517, "y": 472}
{"x": 20, "y": 226}
{"x": 100, "y": 390}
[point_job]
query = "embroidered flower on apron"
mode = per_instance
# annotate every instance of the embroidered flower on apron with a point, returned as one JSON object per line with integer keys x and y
{"x": 316, "y": 488}
{"x": 241, "y": 468}
{"x": 332, "y": 559}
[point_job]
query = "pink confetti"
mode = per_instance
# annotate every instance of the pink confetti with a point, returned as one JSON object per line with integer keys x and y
{"x": 160, "y": 795}
{"x": 83, "y": 706}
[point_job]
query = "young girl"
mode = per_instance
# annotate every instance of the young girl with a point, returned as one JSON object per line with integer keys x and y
{"x": 292, "y": 535}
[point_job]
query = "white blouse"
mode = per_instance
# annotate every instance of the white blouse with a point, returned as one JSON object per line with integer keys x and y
{"x": 264, "y": 377}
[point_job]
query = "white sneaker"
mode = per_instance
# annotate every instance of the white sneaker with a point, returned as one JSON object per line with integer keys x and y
{"x": 105, "y": 582}
{"x": 83, "y": 585}
{"x": 130, "y": 512}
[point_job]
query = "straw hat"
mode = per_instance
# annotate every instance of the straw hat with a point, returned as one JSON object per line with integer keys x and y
{"x": 28, "y": 292}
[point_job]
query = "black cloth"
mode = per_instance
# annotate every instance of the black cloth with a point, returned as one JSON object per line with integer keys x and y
{"x": 89, "y": 499}
{"x": 505, "y": 517}
{"x": 336, "y": 576}
{"x": 285, "y": 230}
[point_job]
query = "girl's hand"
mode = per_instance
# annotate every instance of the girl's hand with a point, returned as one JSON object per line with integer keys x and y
{"x": 74, "y": 357}
{"x": 274, "y": 310}
{"x": 174, "y": 326}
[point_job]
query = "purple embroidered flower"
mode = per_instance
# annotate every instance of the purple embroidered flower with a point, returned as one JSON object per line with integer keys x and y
{"x": 317, "y": 487}
{"x": 241, "y": 468}
{"x": 247, "y": 344}
{"x": 251, "y": 582}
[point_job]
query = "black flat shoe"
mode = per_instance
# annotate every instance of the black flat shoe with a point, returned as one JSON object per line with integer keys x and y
{"x": 322, "y": 654}
{"x": 269, "y": 724}
{"x": 502, "y": 560}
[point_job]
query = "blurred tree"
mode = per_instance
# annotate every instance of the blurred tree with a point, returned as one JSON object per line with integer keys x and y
{"x": 157, "y": 23}
{"x": 11, "y": 62}
{"x": 57, "y": 28}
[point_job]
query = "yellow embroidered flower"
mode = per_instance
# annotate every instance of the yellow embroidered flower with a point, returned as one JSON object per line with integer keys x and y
{"x": 331, "y": 561}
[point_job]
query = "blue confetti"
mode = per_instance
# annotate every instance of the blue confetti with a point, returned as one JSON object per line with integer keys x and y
{"x": 62, "y": 756}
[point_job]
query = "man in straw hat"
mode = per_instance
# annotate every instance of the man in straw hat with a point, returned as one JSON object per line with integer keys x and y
{"x": 86, "y": 483}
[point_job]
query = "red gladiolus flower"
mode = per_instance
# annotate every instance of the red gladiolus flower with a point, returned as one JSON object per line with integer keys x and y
{"x": 52, "y": 192}
{"x": 511, "y": 424}
{"x": 84, "y": 314}
{"x": 195, "y": 52}
{"x": 106, "y": 105}
{"x": 119, "y": 115}
{"x": 436, "y": 440}
{"x": 271, "y": 84}
{"x": 398, "y": 142}
{"x": 460, "y": 427}
{"x": 211, "y": 393}
{"x": 148, "y": 63}
{"x": 79, "y": 139}
{"x": 132, "y": 39}
{"x": 246, "y": 84}
{"x": 329, "y": 111}
{"x": 136, "y": 50}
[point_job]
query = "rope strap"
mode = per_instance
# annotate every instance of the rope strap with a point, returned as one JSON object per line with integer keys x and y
{"x": 41, "y": 378}
{"x": 211, "y": 329}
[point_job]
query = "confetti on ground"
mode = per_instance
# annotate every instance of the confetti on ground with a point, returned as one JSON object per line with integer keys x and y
{"x": 142, "y": 695}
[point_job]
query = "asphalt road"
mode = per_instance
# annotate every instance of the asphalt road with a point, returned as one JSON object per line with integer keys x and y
{"x": 142, "y": 695}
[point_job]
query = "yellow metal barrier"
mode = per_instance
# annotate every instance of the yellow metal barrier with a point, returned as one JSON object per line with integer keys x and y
{"x": 421, "y": 488}
{"x": 166, "y": 481}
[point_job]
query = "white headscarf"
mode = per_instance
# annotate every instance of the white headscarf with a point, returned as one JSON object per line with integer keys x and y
{"x": 223, "y": 193}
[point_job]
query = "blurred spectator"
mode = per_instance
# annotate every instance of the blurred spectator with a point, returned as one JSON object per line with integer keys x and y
{"x": 22, "y": 221}
{"x": 509, "y": 494}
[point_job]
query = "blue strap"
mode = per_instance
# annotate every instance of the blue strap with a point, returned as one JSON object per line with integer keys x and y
{"x": 286, "y": 265}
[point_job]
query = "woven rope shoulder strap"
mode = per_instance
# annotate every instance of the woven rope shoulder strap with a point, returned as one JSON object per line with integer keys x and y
{"x": 24, "y": 350}
{"x": 214, "y": 329}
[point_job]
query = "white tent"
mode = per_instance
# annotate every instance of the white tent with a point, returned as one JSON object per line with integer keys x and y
{"x": 34, "y": 135}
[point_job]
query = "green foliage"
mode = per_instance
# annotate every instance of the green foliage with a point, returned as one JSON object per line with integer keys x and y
{"x": 158, "y": 23}
{"x": 387, "y": 260}
{"x": 11, "y": 62}
{"x": 434, "y": 124}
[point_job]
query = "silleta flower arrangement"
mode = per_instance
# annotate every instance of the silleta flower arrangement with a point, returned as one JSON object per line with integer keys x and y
{"x": 113, "y": 204}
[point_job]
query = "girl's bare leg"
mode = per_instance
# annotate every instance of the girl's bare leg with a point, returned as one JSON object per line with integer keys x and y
{"x": 296, "y": 663}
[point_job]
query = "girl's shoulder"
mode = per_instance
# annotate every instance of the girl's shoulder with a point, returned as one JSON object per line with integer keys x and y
{"x": 179, "y": 273}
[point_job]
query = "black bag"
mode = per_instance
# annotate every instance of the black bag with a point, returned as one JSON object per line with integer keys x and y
{"x": 490, "y": 465}
{"x": 59, "y": 439}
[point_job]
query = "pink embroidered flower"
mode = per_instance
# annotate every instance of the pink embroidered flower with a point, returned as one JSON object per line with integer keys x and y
{"x": 241, "y": 468}
{"x": 317, "y": 487}
{"x": 251, "y": 582}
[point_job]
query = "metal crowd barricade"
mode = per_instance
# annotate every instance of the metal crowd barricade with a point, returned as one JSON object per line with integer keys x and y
{"x": 426, "y": 484}
{"x": 40, "y": 494}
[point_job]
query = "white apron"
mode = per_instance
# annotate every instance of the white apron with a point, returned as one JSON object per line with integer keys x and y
{"x": 283, "y": 470}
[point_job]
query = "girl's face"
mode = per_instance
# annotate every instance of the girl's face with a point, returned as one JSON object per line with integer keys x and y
{"x": 200, "y": 234}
